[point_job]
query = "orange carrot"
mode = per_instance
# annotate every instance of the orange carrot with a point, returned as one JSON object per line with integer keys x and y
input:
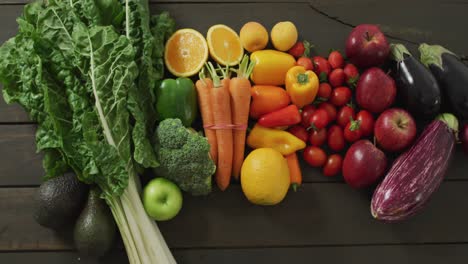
{"x": 240, "y": 90}
{"x": 221, "y": 103}
{"x": 295, "y": 174}
{"x": 204, "y": 87}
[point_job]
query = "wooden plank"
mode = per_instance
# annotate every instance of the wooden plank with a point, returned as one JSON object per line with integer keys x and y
{"x": 402, "y": 254}
{"x": 322, "y": 214}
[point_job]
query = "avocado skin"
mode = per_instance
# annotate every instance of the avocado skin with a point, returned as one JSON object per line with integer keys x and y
{"x": 95, "y": 229}
{"x": 59, "y": 201}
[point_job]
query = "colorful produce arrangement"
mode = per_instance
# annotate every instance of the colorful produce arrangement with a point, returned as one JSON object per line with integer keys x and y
{"x": 94, "y": 84}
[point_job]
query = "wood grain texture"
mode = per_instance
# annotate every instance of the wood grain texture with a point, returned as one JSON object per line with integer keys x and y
{"x": 320, "y": 214}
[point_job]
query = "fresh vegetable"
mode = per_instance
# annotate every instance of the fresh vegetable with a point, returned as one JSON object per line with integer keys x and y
{"x": 464, "y": 137}
{"x": 352, "y": 131}
{"x": 295, "y": 174}
{"x": 239, "y": 88}
{"x": 266, "y": 99}
{"x": 331, "y": 110}
{"x": 301, "y": 85}
{"x": 417, "y": 87}
{"x": 306, "y": 113}
{"x": 345, "y": 114}
{"x": 177, "y": 98}
{"x": 367, "y": 46}
{"x": 375, "y": 90}
{"x": 306, "y": 63}
{"x": 321, "y": 67}
{"x": 335, "y": 59}
{"x": 335, "y": 138}
{"x": 333, "y": 165}
{"x": 363, "y": 164}
{"x": 300, "y": 132}
{"x": 315, "y": 156}
{"x": 271, "y": 67}
{"x": 340, "y": 96}
{"x": 282, "y": 141}
{"x": 284, "y": 35}
{"x": 287, "y": 116}
{"x": 337, "y": 77}
{"x": 352, "y": 75}
{"x": 162, "y": 199}
{"x": 366, "y": 121}
{"x": 416, "y": 174}
{"x": 451, "y": 74}
{"x": 395, "y": 130}
{"x": 300, "y": 49}
{"x": 253, "y": 36}
{"x": 204, "y": 87}
{"x": 319, "y": 119}
{"x": 184, "y": 157}
{"x": 222, "y": 118}
{"x": 324, "y": 91}
{"x": 318, "y": 137}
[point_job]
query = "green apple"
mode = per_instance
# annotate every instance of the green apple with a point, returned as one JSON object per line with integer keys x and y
{"x": 162, "y": 199}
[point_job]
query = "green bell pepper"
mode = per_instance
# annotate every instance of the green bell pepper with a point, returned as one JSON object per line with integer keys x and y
{"x": 177, "y": 98}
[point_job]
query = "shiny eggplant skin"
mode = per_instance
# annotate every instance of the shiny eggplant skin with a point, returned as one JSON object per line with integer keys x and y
{"x": 415, "y": 175}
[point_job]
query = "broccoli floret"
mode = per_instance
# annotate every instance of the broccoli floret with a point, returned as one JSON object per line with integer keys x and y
{"x": 183, "y": 156}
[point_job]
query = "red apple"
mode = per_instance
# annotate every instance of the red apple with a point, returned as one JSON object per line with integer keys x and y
{"x": 367, "y": 46}
{"x": 375, "y": 90}
{"x": 363, "y": 164}
{"x": 395, "y": 130}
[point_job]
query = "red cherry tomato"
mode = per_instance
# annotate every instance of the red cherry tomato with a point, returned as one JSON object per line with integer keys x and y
{"x": 337, "y": 77}
{"x": 335, "y": 59}
{"x": 333, "y": 165}
{"x": 352, "y": 74}
{"x": 318, "y": 137}
{"x": 315, "y": 156}
{"x": 324, "y": 91}
{"x": 321, "y": 65}
{"x": 331, "y": 110}
{"x": 319, "y": 119}
{"x": 340, "y": 96}
{"x": 300, "y": 132}
{"x": 344, "y": 115}
{"x": 336, "y": 141}
{"x": 306, "y": 113}
{"x": 352, "y": 131}
{"x": 306, "y": 63}
{"x": 367, "y": 122}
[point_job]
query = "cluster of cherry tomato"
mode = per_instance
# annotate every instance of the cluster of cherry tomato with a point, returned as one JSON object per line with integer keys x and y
{"x": 332, "y": 121}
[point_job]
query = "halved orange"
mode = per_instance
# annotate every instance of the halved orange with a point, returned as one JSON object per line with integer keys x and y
{"x": 224, "y": 45}
{"x": 186, "y": 52}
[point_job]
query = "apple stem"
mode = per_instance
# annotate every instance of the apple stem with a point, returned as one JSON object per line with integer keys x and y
{"x": 368, "y": 37}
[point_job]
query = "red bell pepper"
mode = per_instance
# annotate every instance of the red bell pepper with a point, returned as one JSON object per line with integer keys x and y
{"x": 287, "y": 116}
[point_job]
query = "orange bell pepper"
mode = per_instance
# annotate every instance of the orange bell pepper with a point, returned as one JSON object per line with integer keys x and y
{"x": 301, "y": 85}
{"x": 267, "y": 99}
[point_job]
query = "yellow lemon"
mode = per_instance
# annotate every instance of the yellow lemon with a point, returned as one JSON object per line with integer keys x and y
{"x": 253, "y": 36}
{"x": 284, "y": 35}
{"x": 265, "y": 177}
{"x": 224, "y": 45}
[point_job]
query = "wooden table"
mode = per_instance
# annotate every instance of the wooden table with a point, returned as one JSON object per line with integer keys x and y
{"x": 325, "y": 221}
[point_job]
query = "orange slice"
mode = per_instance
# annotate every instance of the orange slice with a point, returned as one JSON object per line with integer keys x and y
{"x": 224, "y": 45}
{"x": 186, "y": 52}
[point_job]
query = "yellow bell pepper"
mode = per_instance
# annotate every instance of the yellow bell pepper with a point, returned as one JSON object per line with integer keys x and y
{"x": 301, "y": 85}
{"x": 271, "y": 67}
{"x": 282, "y": 141}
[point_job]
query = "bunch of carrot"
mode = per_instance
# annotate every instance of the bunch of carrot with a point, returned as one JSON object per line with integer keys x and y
{"x": 225, "y": 104}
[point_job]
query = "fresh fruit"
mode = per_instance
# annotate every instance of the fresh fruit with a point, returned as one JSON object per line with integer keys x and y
{"x": 300, "y": 49}
{"x": 253, "y": 36}
{"x": 395, "y": 130}
{"x": 271, "y": 66}
{"x": 337, "y": 77}
{"x": 375, "y": 91}
{"x": 321, "y": 65}
{"x": 340, "y": 96}
{"x": 300, "y": 132}
{"x": 336, "y": 141}
{"x": 267, "y": 99}
{"x": 319, "y": 119}
{"x": 318, "y": 137}
{"x": 352, "y": 131}
{"x": 162, "y": 199}
{"x": 315, "y": 156}
{"x": 363, "y": 164}
{"x": 335, "y": 59}
{"x": 464, "y": 137}
{"x": 186, "y": 52}
{"x": 367, "y": 46}
{"x": 324, "y": 91}
{"x": 284, "y": 35}
{"x": 306, "y": 113}
{"x": 265, "y": 177}
{"x": 333, "y": 165}
{"x": 366, "y": 122}
{"x": 306, "y": 63}
{"x": 352, "y": 74}
{"x": 331, "y": 110}
{"x": 224, "y": 45}
{"x": 345, "y": 114}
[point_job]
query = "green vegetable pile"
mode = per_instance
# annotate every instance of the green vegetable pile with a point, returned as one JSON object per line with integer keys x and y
{"x": 85, "y": 71}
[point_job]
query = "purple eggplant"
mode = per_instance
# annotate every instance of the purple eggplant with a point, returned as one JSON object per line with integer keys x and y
{"x": 464, "y": 138}
{"x": 417, "y": 173}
